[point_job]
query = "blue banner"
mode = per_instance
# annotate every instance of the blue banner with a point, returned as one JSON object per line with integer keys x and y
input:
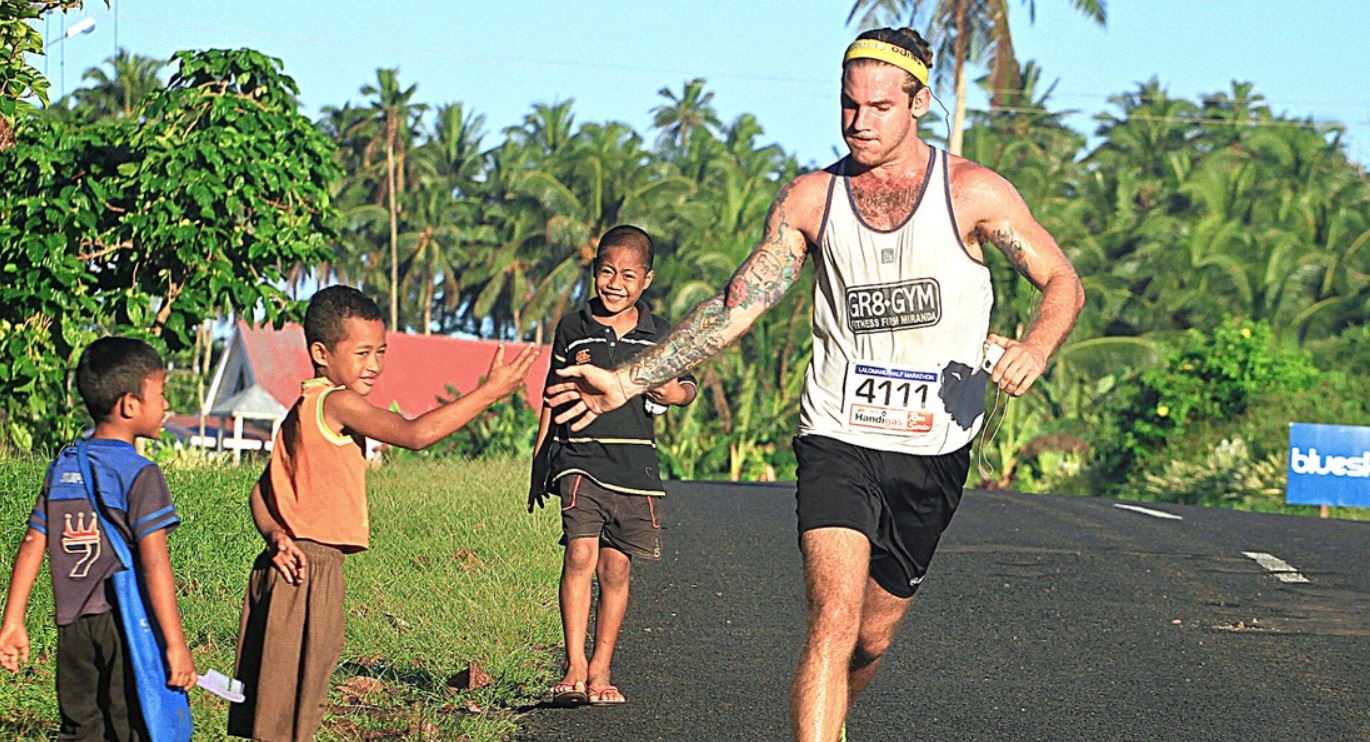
{"x": 1328, "y": 465}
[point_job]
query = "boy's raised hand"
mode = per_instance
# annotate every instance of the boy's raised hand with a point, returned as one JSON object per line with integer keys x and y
{"x": 351, "y": 411}
{"x": 503, "y": 379}
{"x": 14, "y": 647}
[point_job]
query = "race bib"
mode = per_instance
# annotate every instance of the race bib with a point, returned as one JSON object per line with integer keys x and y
{"x": 885, "y": 398}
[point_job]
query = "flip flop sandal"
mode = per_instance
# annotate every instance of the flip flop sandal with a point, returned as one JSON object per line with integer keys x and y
{"x": 597, "y": 696}
{"x": 567, "y": 695}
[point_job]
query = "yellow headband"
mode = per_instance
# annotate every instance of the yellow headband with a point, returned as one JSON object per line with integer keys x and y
{"x": 887, "y": 52}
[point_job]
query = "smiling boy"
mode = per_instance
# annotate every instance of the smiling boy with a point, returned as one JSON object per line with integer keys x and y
{"x": 606, "y": 474}
{"x": 310, "y": 506}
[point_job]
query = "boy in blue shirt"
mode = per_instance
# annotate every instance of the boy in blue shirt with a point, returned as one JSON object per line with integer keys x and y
{"x": 121, "y": 381}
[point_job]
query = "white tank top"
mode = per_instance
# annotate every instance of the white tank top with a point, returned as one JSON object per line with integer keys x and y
{"x": 899, "y": 323}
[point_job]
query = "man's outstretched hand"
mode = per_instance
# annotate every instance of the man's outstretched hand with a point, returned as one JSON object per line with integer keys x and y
{"x": 590, "y": 390}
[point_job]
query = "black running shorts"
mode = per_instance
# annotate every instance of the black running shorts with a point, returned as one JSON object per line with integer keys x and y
{"x": 901, "y": 502}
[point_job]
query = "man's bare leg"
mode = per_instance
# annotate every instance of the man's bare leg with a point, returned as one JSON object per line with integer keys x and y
{"x": 880, "y": 616}
{"x": 577, "y": 573}
{"x": 615, "y": 570}
{"x": 836, "y": 563}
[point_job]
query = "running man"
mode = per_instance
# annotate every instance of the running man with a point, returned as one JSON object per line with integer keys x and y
{"x": 894, "y": 393}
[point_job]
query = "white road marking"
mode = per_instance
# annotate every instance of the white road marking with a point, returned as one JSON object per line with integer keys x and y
{"x": 1149, "y": 511}
{"x": 1283, "y": 571}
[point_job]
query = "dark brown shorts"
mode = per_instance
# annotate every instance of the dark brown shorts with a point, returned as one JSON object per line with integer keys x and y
{"x": 624, "y": 522}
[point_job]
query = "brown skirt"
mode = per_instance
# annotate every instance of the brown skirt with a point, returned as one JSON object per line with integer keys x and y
{"x": 289, "y": 641}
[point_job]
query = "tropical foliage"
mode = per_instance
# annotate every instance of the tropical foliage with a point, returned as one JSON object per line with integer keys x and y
{"x": 20, "y": 82}
{"x": 1222, "y": 247}
{"x": 150, "y": 223}
{"x": 118, "y": 92}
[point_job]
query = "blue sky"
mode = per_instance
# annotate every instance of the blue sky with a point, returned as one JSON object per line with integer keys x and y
{"x": 773, "y": 58}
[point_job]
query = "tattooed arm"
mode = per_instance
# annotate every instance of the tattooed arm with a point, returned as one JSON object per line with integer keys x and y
{"x": 1000, "y": 217}
{"x": 759, "y": 283}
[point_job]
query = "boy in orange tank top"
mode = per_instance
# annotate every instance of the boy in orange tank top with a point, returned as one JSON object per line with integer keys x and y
{"x": 310, "y": 506}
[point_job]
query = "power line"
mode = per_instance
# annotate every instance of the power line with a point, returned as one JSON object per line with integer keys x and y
{"x": 1257, "y": 99}
{"x": 447, "y": 54}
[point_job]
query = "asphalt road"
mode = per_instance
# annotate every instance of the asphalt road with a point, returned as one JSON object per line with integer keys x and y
{"x": 1042, "y": 618}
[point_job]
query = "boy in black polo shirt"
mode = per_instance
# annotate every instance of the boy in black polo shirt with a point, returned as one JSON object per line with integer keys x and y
{"x": 605, "y": 474}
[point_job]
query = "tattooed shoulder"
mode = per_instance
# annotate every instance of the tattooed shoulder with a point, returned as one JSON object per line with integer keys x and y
{"x": 1010, "y": 243}
{"x": 984, "y": 198}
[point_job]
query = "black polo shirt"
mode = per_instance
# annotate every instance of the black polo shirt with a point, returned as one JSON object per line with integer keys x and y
{"x": 618, "y": 449}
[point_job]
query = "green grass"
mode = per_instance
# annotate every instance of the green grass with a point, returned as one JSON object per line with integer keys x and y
{"x": 456, "y": 573}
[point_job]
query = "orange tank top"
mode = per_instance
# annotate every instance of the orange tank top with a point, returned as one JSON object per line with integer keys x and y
{"x": 318, "y": 476}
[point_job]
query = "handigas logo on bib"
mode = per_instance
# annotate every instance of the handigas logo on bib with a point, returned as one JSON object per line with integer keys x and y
{"x": 894, "y": 306}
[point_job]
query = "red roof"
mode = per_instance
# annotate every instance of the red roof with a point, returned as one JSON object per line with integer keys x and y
{"x": 418, "y": 368}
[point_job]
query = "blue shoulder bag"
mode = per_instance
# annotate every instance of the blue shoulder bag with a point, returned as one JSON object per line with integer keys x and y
{"x": 166, "y": 711}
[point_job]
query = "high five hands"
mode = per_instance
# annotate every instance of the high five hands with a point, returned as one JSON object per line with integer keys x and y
{"x": 505, "y": 379}
{"x": 593, "y": 390}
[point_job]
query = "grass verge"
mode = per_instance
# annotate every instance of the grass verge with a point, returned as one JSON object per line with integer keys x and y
{"x": 457, "y": 573}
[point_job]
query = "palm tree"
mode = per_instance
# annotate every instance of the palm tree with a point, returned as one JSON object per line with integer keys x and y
{"x": 118, "y": 93}
{"x": 598, "y": 178}
{"x": 436, "y": 248}
{"x": 454, "y": 144}
{"x": 965, "y": 30}
{"x": 684, "y": 114}
{"x": 342, "y": 125}
{"x": 546, "y": 131}
{"x": 390, "y": 127}
{"x": 740, "y": 429}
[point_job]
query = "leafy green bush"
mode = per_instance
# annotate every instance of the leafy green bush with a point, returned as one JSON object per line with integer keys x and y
{"x": 1348, "y": 352}
{"x": 1227, "y": 475}
{"x": 1334, "y": 398}
{"x": 1204, "y": 379}
{"x": 147, "y": 225}
{"x": 1201, "y": 463}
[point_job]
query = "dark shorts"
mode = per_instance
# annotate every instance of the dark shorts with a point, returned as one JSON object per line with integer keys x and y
{"x": 901, "y": 502}
{"x": 624, "y": 522}
{"x": 96, "y": 692}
